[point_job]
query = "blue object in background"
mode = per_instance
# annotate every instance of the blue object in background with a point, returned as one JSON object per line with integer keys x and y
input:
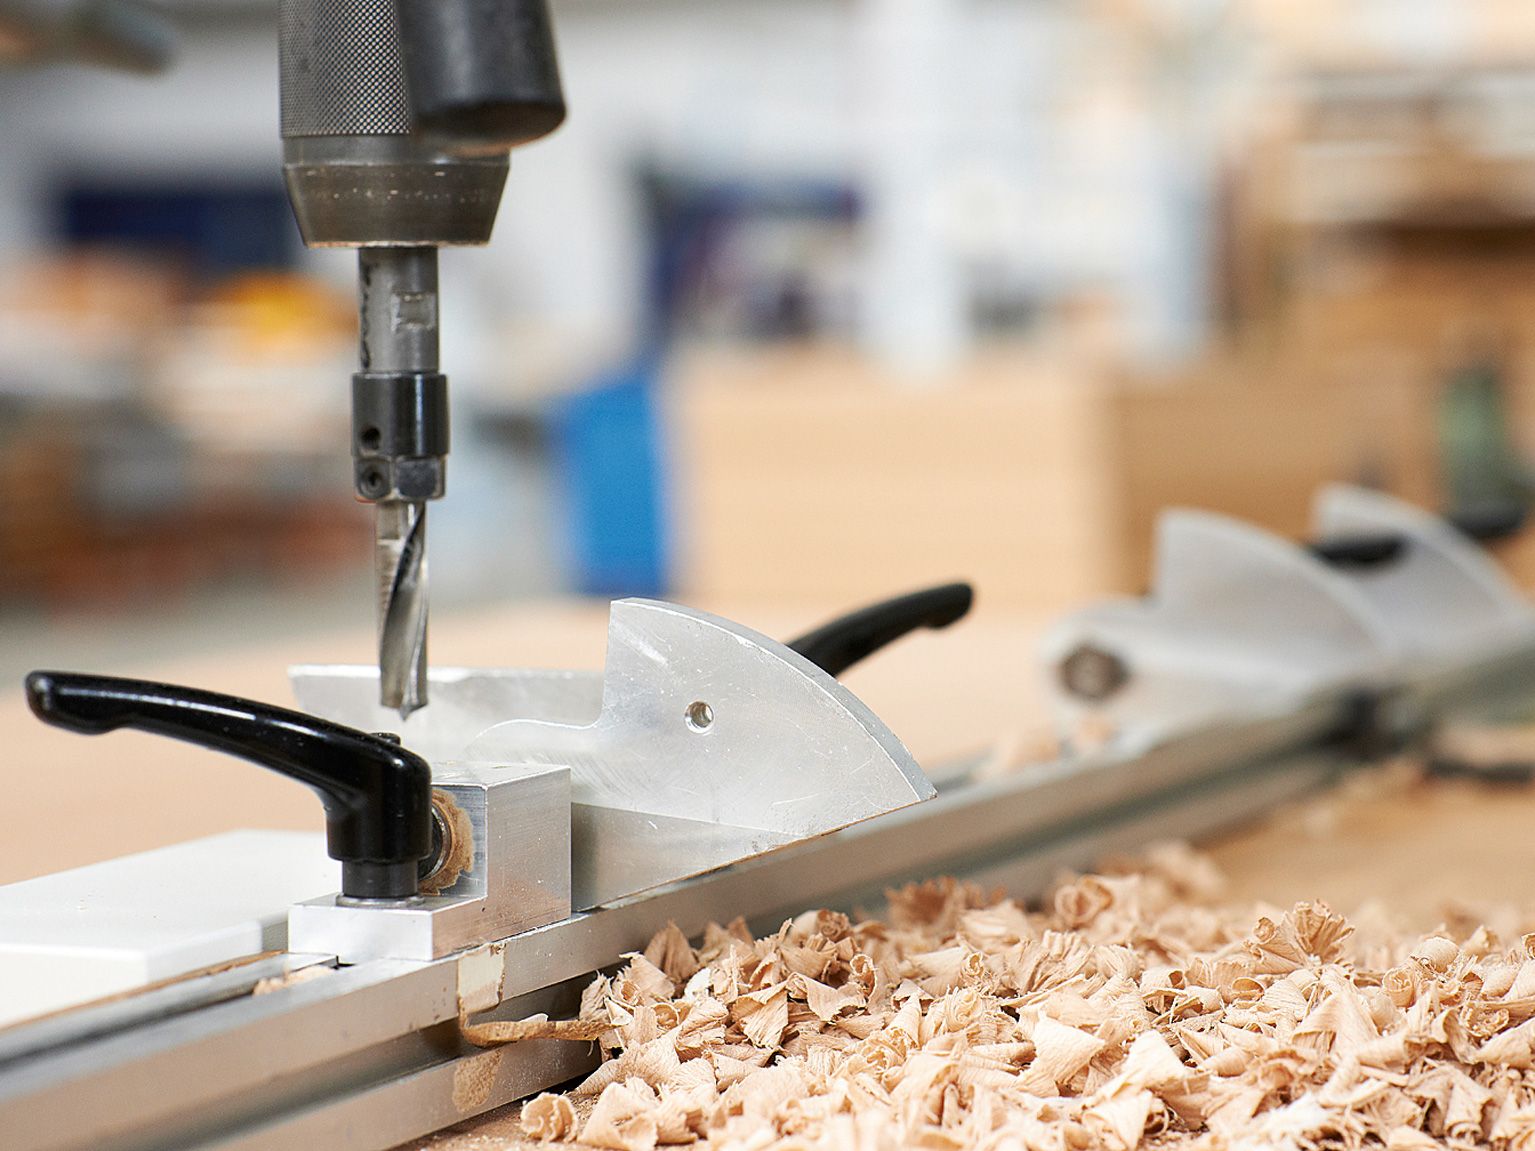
{"x": 216, "y": 228}
{"x": 607, "y": 444}
{"x": 608, "y": 440}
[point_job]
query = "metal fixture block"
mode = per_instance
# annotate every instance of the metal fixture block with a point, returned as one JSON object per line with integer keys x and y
{"x": 519, "y": 877}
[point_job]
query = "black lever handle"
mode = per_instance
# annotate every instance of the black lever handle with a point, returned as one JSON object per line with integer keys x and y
{"x": 838, "y": 645}
{"x": 1491, "y": 523}
{"x": 1484, "y": 525}
{"x": 1358, "y": 551}
{"x": 377, "y": 795}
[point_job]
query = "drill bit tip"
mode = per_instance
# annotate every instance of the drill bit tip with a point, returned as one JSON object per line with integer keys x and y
{"x": 400, "y": 553}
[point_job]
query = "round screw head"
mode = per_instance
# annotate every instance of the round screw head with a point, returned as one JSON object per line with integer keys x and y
{"x": 1093, "y": 673}
{"x": 372, "y": 483}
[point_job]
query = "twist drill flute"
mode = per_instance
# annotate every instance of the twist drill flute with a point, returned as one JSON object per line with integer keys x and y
{"x": 397, "y": 117}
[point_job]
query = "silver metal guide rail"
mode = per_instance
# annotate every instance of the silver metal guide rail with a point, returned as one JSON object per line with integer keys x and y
{"x": 706, "y": 773}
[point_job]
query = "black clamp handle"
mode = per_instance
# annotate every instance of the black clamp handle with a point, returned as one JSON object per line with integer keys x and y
{"x": 1483, "y": 525}
{"x": 1490, "y": 523}
{"x": 838, "y": 645}
{"x": 377, "y": 795}
{"x": 1358, "y": 551}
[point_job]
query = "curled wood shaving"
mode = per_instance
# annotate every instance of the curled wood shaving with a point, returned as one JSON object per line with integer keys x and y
{"x": 458, "y": 854}
{"x": 1132, "y": 1013}
{"x": 498, "y": 1032}
{"x": 625, "y": 1118}
{"x": 549, "y": 1118}
{"x": 292, "y": 978}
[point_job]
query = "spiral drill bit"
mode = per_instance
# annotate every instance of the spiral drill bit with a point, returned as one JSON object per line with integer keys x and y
{"x": 400, "y": 561}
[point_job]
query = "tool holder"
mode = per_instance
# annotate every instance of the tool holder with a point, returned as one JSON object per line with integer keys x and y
{"x": 1242, "y": 621}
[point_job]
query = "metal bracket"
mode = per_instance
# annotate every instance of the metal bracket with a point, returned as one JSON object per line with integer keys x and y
{"x": 518, "y": 878}
{"x": 1241, "y": 621}
{"x": 1445, "y": 596}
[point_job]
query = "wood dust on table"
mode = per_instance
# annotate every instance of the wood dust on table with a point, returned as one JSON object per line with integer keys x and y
{"x": 1156, "y": 1005}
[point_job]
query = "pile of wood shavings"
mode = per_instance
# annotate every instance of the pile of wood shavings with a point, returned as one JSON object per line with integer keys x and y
{"x": 1130, "y": 1013}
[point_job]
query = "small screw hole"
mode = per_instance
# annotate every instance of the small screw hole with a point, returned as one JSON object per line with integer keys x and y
{"x": 370, "y": 439}
{"x": 373, "y": 484}
{"x": 700, "y": 715}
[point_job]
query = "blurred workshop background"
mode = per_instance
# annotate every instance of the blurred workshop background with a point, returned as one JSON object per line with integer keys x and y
{"x": 811, "y": 300}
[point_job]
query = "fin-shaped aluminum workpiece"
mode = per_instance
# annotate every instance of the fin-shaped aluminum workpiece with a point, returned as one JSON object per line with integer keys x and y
{"x": 1237, "y": 620}
{"x": 1444, "y": 594}
{"x": 1242, "y": 621}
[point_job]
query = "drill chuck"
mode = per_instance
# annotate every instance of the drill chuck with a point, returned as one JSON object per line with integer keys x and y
{"x": 397, "y": 115}
{"x": 342, "y": 73}
{"x": 357, "y": 172}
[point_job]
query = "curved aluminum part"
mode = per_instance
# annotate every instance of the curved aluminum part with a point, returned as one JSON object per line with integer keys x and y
{"x": 1444, "y": 595}
{"x": 705, "y": 720}
{"x": 465, "y": 701}
{"x": 1239, "y": 621}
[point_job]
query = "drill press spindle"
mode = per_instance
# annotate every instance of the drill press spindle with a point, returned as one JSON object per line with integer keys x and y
{"x": 397, "y": 117}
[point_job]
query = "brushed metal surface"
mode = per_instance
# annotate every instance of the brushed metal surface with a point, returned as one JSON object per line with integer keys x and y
{"x": 465, "y": 701}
